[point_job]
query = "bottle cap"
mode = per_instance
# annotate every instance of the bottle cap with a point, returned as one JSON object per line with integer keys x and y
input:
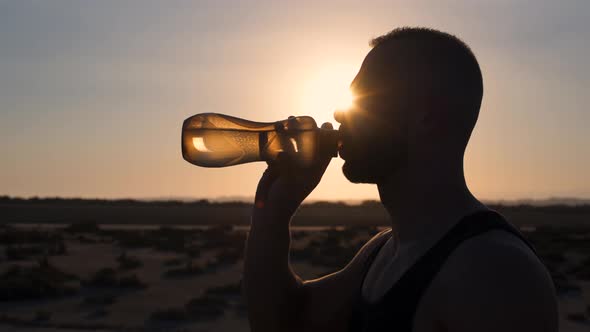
{"x": 329, "y": 140}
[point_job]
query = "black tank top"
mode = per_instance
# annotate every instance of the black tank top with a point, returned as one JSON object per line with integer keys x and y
{"x": 396, "y": 309}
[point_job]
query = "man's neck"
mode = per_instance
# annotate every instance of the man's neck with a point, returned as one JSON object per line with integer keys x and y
{"x": 424, "y": 202}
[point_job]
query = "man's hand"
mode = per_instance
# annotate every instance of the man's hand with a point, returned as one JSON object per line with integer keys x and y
{"x": 284, "y": 185}
{"x": 273, "y": 292}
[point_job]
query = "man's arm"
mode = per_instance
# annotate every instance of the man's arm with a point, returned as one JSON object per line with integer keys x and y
{"x": 274, "y": 295}
{"x": 271, "y": 289}
{"x": 495, "y": 286}
{"x": 329, "y": 300}
{"x": 278, "y": 300}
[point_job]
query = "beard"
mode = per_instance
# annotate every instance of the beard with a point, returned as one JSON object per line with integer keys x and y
{"x": 374, "y": 168}
{"x": 373, "y": 151}
{"x": 356, "y": 173}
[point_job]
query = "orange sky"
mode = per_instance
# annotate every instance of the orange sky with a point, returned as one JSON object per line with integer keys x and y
{"x": 92, "y": 96}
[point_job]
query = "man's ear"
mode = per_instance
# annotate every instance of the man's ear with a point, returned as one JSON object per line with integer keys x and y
{"x": 434, "y": 114}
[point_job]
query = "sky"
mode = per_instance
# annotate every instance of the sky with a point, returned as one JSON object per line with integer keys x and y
{"x": 93, "y": 93}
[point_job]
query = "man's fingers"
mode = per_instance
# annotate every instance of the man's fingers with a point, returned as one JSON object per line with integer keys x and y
{"x": 327, "y": 125}
{"x": 285, "y": 167}
{"x": 339, "y": 115}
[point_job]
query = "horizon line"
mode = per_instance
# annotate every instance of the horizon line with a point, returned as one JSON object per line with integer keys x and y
{"x": 551, "y": 200}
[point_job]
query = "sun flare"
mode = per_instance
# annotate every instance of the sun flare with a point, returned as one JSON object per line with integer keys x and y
{"x": 327, "y": 90}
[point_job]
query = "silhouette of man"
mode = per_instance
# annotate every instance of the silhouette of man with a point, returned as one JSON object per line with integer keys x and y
{"x": 450, "y": 263}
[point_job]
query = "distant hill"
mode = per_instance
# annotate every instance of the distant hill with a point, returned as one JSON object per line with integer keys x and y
{"x": 203, "y": 212}
{"x": 172, "y": 200}
{"x": 570, "y": 201}
{"x": 545, "y": 202}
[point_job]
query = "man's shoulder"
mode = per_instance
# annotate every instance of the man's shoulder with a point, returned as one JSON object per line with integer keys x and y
{"x": 499, "y": 250}
{"x": 498, "y": 274}
{"x": 498, "y": 257}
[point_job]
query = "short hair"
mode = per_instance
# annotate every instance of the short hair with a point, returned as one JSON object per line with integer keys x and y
{"x": 449, "y": 67}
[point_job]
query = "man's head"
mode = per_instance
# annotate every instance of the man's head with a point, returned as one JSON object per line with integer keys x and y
{"x": 417, "y": 92}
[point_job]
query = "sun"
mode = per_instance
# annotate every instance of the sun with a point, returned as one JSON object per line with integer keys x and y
{"x": 327, "y": 90}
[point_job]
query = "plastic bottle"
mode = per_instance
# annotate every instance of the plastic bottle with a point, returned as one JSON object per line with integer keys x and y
{"x": 217, "y": 140}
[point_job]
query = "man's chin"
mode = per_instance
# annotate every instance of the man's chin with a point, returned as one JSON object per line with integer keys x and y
{"x": 358, "y": 175}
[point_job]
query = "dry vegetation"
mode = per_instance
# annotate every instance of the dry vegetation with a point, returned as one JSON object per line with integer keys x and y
{"x": 86, "y": 275}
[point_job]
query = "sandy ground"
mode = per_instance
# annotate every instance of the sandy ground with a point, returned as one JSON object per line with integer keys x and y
{"x": 576, "y": 302}
{"x": 132, "y": 308}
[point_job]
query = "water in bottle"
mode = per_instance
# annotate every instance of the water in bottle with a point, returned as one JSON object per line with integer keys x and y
{"x": 217, "y": 140}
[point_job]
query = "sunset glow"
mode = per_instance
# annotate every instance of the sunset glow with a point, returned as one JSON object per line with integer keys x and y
{"x": 328, "y": 90}
{"x": 101, "y": 81}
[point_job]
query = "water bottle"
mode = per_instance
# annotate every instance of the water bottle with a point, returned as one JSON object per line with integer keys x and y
{"x": 217, "y": 140}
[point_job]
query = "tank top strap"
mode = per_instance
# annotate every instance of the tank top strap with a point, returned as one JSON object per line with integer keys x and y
{"x": 405, "y": 295}
{"x": 398, "y": 307}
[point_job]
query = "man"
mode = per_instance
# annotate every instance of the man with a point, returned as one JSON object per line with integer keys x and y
{"x": 449, "y": 263}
